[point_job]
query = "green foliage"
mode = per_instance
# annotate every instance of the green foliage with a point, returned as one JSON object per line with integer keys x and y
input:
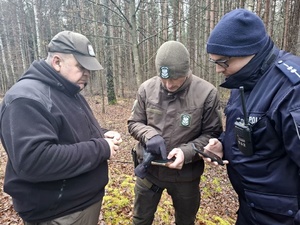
{"x": 163, "y": 209}
{"x": 217, "y": 185}
{"x": 213, "y": 186}
{"x": 118, "y": 203}
{"x": 112, "y": 102}
{"x": 214, "y": 220}
{"x": 220, "y": 221}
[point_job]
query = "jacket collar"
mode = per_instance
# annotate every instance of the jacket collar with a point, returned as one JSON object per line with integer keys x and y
{"x": 250, "y": 73}
{"x": 40, "y": 70}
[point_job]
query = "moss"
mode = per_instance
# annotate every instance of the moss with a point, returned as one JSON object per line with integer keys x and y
{"x": 118, "y": 203}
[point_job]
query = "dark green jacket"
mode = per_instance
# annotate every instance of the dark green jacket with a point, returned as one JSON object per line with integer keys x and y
{"x": 190, "y": 115}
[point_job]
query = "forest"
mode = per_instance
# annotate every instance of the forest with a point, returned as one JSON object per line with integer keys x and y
{"x": 126, "y": 35}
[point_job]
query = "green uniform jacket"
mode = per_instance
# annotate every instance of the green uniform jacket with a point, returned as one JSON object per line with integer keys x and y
{"x": 189, "y": 115}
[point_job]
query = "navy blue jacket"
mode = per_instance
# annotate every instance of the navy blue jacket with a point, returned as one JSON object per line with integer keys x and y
{"x": 57, "y": 157}
{"x": 268, "y": 180}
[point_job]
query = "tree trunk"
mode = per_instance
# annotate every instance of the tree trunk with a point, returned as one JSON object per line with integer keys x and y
{"x": 20, "y": 33}
{"x": 5, "y": 75}
{"x": 165, "y": 24}
{"x": 36, "y": 11}
{"x": 135, "y": 51}
{"x": 11, "y": 78}
{"x": 111, "y": 96}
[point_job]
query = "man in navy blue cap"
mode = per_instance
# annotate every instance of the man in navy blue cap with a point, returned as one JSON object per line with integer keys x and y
{"x": 57, "y": 151}
{"x": 262, "y": 136}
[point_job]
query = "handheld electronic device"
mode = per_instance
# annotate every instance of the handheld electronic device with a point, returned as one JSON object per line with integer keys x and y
{"x": 243, "y": 130}
{"x": 208, "y": 154}
{"x": 162, "y": 162}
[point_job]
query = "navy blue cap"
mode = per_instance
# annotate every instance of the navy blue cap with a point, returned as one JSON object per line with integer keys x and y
{"x": 239, "y": 33}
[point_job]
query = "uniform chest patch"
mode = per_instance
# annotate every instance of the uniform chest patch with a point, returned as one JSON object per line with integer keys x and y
{"x": 185, "y": 120}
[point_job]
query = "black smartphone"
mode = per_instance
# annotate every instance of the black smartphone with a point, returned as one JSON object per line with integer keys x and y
{"x": 208, "y": 154}
{"x": 162, "y": 162}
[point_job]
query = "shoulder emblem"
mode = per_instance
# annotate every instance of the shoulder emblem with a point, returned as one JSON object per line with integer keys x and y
{"x": 290, "y": 69}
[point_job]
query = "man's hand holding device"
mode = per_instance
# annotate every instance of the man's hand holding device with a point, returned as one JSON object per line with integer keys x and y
{"x": 212, "y": 153}
{"x": 162, "y": 162}
{"x": 175, "y": 160}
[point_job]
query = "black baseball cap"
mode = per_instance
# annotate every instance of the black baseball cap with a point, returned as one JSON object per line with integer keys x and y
{"x": 70, "y": 42}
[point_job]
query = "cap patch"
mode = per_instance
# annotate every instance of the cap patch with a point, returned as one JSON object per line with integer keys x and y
{"x": 164, "y": 72}
{"x": 91, "y": 50}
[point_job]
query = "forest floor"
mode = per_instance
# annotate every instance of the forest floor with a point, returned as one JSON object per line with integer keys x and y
{"x": 218, "y": 200}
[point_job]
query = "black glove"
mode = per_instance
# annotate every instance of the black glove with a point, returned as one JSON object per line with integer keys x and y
{"x": 141, "y": 169}
{"x": 156, "y": 145}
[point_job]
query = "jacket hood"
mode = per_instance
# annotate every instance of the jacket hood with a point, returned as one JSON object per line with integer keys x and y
{"x": 40, "y": 70}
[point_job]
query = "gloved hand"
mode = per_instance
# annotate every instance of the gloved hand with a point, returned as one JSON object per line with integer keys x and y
{"x": 157, "y": 145}
{"x": 141, "y": 169}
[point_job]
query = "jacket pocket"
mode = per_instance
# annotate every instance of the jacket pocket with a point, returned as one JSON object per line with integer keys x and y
{"x": 286, "y": 205}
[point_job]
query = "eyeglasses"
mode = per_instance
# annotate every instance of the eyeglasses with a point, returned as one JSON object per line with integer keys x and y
{"x": 222, "y": 63}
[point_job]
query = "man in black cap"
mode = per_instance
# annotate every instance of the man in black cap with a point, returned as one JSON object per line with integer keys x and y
{"x": 174, "y": 112}
{"x": 262, "y": 140}
{"x": 57, "y": 152}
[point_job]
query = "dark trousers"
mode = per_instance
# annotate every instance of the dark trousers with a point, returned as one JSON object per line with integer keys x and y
{"x": 88, "y": 216}
{"x": 251, "y": 216}
{"x": 185, "y": 197}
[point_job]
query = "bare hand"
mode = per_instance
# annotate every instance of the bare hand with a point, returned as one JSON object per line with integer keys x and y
{"x": 215, "y": 146}
{"x": 113, "y": 147}
{"x": 176, "y": 153}
{"x": 115, "y": 136}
